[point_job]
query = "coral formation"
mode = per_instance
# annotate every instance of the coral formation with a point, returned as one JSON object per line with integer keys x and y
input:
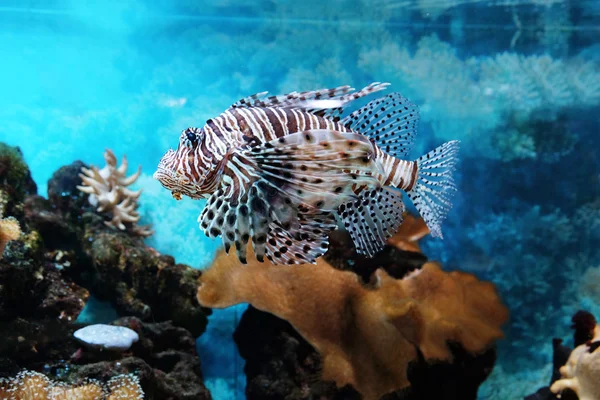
{"x": 108, "y": 191}
{"x": 401, "y": 255}
{"x": 470, "y": 86}
{"x": 111, "y": 263}
{"x": 279, "y": 363}
{"x": 125, "y": 387}
{"x": 164, "y": 358}
{"x": 15, "y": 181}
{"x": 410, "y": 232}
{"x": 575, "y": 373}
{"x": 9, "y": 230}
{"x": 353, "y": 332}
{"x": 30, "y": 385}
{"x": 107, "y": 337}
{"x": 42, "y": 278}
{"x": 581, "y": 373}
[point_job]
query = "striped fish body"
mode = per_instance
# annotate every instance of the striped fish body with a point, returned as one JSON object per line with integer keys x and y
{"x": 284, "y": 171}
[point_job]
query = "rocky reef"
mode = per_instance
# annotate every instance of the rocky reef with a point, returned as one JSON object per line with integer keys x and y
{"x": 64, "y": 250}
{"x": 392, "y": 327}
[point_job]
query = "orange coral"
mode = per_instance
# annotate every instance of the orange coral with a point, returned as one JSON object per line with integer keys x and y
{"x": 89, "y": 391}
{"x": 30, "y": 385}
{"x": 5, "y": 389}
{"x": 9, "y": 230}
{"x": 366, "y": 337}
{"x": 411, "y": 231}
{"x": 125, "y": 387}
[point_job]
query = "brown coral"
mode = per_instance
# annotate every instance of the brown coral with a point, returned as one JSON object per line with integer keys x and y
{"x": 366, "y": 337}
{"x": 411, "y": 231}
{"x": 107, "y": 189}
{"x": 9, "y": 230}
{"x": 30, "y": 385}
{"x": 581, "y": 373}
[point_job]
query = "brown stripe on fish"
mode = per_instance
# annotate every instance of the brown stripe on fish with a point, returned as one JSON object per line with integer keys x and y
{"x": 292, "y": 120}
{"x": 276, "y": 129}
{"x": 404, "y": 174}
{"x": 282, "y": 115}
{"x": 257, "y": 129}
{"x": 263, "y": 118}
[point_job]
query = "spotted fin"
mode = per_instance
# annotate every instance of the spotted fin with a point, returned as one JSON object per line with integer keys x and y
{"x": 248, "y": 216}
{"x": 317, "y": 167}
{"x": 431, "y": 194}
{"x": 227, "y": 216}
{"x": 323, "y": 102}
{"x": 391, "y": 121}
{"x": 372, "y": 219}
{"x": 302, "y": 245}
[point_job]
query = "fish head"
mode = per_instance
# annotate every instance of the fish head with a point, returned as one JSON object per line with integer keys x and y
{"x": 183, "y": 171}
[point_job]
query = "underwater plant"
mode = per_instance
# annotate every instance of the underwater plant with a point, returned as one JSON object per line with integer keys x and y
{"x": 107, "y": 189}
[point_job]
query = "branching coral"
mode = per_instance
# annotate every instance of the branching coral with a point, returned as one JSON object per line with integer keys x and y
{"x": 29, "y": 385}
{"x": 582, "y": 371}
{"x": 107, "y": 189}
{"x": 366, "y": 337}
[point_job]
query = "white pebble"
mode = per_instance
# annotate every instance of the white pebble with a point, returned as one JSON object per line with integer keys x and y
{"x": 109, "y": 337}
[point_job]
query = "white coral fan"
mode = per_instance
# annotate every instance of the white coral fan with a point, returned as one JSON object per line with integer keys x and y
{"x": 107, "y": 189}
{"x": 581, "y": 373}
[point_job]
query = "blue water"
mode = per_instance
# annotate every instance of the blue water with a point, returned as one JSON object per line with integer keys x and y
{"x": 517, "y": 81}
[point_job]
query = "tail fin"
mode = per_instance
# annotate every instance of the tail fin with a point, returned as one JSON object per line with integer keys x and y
{"x": 434, "y": 186}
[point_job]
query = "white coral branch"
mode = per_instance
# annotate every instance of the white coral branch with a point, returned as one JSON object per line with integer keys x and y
{"x": 108, "y": 192}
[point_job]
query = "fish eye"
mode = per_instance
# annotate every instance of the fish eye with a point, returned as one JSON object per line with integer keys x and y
{"x": 191, "y": 136}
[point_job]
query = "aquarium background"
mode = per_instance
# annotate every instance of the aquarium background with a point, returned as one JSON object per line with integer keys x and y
{"x": 517, "y": 81}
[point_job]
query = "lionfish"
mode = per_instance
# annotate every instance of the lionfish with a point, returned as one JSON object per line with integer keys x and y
{"x": 284, "y": 171}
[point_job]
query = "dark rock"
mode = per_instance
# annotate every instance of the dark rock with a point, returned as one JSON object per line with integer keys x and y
{"x": 15, "y": 181}
{"x": 33, "y": 343}
{"x": 141, "y": 282}
{"x": 32, "y": 286}
{"x": 66, "y": 249}
{"x": 583, "y": 324}
{"x": 560, "y": 355}
{"x": 164, "y": 358}
{"x": 63, "y": 194}
{"x": 280, "y": 364}
{"x": 56, "y": 231}
{"x": 112, "y": 264}
{"x": 457, "y": 380}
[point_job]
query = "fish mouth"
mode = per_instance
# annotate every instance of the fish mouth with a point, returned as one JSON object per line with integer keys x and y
{"x": 176, "y": 195}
